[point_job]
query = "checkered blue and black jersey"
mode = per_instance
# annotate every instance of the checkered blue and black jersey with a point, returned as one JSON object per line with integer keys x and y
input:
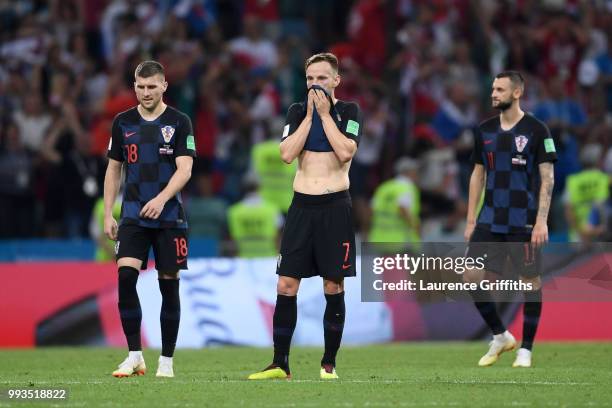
{"x": 511, "y": 159}
{"x": 149, "y": 150}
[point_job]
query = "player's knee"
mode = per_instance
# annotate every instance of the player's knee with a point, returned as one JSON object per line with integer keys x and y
{"x": 128, "y": 275}
{"x": 535, "y": 282}
{"x": 287, "y": 286}
{"x": 331, "y": 287}
{"x": 167, "y": 274}
{"x": 473, "y": 275}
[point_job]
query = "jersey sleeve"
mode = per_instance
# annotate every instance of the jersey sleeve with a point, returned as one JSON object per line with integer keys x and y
{"x": 115, "y": 143}
{"x": 546, "y": 151}
{"x": 476, "y": 157}
{"x": 185, "y": 141}
{"x": 352, "y": 122}
{"x": 295, "y": 115}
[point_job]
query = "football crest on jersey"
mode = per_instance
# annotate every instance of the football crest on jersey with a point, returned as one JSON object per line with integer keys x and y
{"x": 521, "y": 142}
{"x": 167, "y": 133}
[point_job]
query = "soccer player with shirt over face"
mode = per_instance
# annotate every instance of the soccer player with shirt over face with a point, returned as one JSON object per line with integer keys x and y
{"x": 154, "y": 143}
{"x": 514, "y": 155}
{"x": 318, "y": 238}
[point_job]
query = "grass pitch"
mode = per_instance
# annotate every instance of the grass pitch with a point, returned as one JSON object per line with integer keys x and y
{"x": 397, "y": 375}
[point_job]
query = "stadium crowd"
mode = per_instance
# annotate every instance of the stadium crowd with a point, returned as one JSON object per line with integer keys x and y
{"x": 421, "y": 71}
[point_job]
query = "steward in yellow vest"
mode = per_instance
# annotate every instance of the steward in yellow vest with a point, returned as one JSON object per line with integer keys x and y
{"x": 254, "y": 224}
{"x": 583, "y": 189}
{"x": 396, "y": 206}
{"x": 275, "y": 176}
{"x": 105, "y": 248}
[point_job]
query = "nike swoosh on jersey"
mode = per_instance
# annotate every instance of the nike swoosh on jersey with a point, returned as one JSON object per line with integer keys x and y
{"x": 346, "y": 266}
{"x": 128, "y": 134}
{"x": 181, "y": 260}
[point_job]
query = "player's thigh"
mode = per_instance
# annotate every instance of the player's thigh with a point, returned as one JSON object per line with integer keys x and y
{"x": 486, "y": 248}
{"x": 132, "y": 246}
{"x": 334, "y": 243}
{"x": 526, "y": 259}
{"x": 296, "y": 255}
{"x": 171, "y": 249}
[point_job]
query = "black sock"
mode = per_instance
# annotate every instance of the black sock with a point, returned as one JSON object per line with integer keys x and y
{"x": 486, "y": 307}
{"x": 170, "y": 314}
{"x": 532, "y": 309}
{"x": 333, "y": 325}
{"x": 285, "y": 318}
{"x": 129, "y": 307}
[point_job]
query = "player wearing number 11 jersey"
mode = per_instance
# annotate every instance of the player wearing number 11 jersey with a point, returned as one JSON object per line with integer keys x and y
{"x": 155, "y": 143}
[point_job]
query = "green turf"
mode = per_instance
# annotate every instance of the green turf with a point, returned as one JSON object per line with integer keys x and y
{"x": 409, "y": 375}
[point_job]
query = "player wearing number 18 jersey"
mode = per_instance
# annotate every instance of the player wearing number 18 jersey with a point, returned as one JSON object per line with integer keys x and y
{"x": 155, "y": 144}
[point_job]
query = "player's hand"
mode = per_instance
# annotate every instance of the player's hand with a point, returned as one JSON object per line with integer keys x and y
{"x": 310, "y": 104}
{"x": 153, "y": 208}
{"x": 469, "y": 230}
{"x": 539, "y": 235}
{"x": 110, "y": 228}
{"x": 321, "y": 102}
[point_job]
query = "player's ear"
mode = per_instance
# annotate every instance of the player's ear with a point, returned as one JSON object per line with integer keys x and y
{"x": 337, "y": 80}
{"x": 165, "y": 86}
{"x": 518, "y": 92}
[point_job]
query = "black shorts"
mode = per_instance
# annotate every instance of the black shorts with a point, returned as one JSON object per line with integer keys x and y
{"x": 169, "y": 246}
{"x": 318, "y": 238}
{"x": 525, "y": 261}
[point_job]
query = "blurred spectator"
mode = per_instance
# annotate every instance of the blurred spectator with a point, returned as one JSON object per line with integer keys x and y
{"x": 566, "y": 120}
{"x": 18, "y": 215}
{"x": 455, "y": 114}
{"x": 367, "y": 32}
{"x": 604, "y": 66}
{"x": 254, "y": 224}
{"x": 105, "y": 248}
{"x": 396, "y": 206}
{"x": 275, "y": 176}
{"x": 362, "y": 173}
{"x": 583, "y": 190}
{"x": 33, "y": 121}
{"x": 599, "y": 224}
{"x": 252, "y": 49}
{"x": 206, "y": 211}
{"x": 562, "y": 40}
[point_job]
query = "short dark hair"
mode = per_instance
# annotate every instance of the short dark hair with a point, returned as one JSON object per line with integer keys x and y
{"x": 515, "y": 77}
{"x": 323, "y": 57}
{"x": 147, "y": 69}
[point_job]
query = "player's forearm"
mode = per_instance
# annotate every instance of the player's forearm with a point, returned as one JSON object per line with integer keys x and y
{"x": 476, "y": 186}
{"x": 178, "y": 180}
{"x": 112, "y": 181}
{"x": 344, "y": 147}
{"x": 547, "y": 178}
{"x": 292, "y": 146}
